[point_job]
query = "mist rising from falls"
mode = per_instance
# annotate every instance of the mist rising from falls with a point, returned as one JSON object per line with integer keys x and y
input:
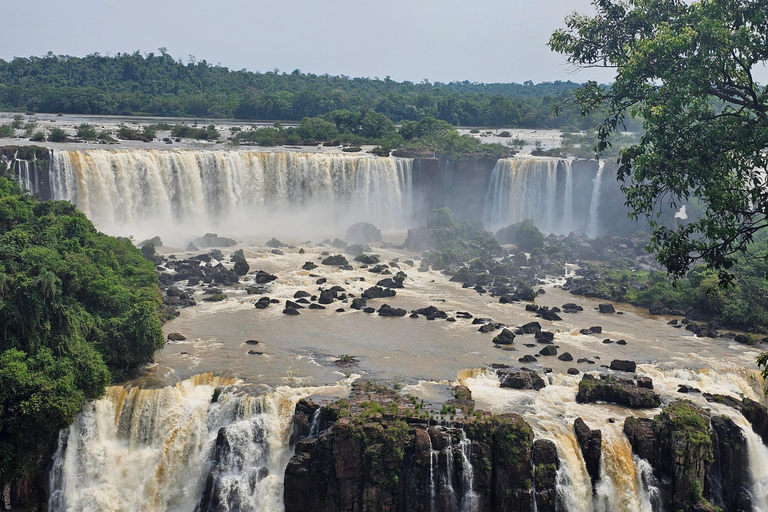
{"x": 162, "y": 449}
{"x": 160, "y": 191}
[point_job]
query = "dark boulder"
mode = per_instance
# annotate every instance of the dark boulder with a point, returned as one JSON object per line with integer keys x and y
{"x": 326, "y": 297}
{"x": 548, "y": 314}
{"x": 565, "y": 356}
{"x": 290, "y": 311}
{"x": 525, "y": 292}
{"x": 549, "y": 350}
{"x": 609, "y": 389}
{"x": 335, "y": 260}
{"x": 572, "y": 308}
{"x": 531, "y": 328}
{"x": 387, "y": 310}
{"x": 528, "y": 359}
{"x": 623, "y": 365}
{"x": 241, "y": 267}
{"x": 521, "y": 379}
{"x": 546, "y": 463}
{"x": 294, "y": 305}
{"x": 657, "y": 308}
{"x": 432, "y": 313}
{"x": 590, "y": 442}
{"x": 606, "y": 308}
{"x": 419, "y": 239}
{"x": 262, "y": 277}
{"x": 262, "y": 303}
{"x": 377, "y": 292}
{"x": 506, "y": 337}
{"x": 176, "y": 336}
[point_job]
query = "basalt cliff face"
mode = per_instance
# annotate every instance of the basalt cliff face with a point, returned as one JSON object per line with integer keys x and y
{"x": 376, "y": 451}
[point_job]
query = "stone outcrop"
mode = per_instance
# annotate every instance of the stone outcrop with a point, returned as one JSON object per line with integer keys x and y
{"x": 376, "y": 451}
{"x": 622, "y": 392}
{"x": 591, "y": 444}
{"x": 678, "y": 444}
{"x": 521, "y": 379}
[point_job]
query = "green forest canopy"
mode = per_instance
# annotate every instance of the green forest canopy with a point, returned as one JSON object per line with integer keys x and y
{"x": 76, "y": 307}
{"x": 136, "y": 84}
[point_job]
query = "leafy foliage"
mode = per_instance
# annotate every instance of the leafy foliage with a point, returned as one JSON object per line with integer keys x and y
{"x": 685, "y": 68}
{"x": 132, "y": 83}
{"x": 75, "y": 307}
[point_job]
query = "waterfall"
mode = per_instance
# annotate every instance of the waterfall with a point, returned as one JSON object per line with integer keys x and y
{"x": 647, "y": 484}
{"x": 27, "y": 173}
{"x": 758, "y": 465}
{"x": 523, "y": 189}
{"x": 162, "y": 449}
{"x": 548, "y": 191}
{"x": 568, "y": 206}
{"x": 432, "y": 486}
{"x": 314, "y": 427}
{"x": 620, "y": 486}
{"x": 594, "y": 204}
{"x": 574, "y": 487}
{"x": 468, "y": 500}
{"x": 451, "y": 475}
{"x": 153, "y": 191}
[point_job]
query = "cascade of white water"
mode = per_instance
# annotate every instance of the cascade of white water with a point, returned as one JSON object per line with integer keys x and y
{"x": 26, "y": 172}
{"x": 647, "y": 484}
{"x": 568, "y": 213}
{"x": 620, "y": 485}
{"x": 314, "y": 427}
{"x": 468, "y": 499}
{"x": 156, "y": 450}
{"x": 594, "y": 204}
{"x": 447, "y": 475}
{"x": 433, "y": 461}
{"x": 758, "y": 465}
{"x": 523, "y": 189}
{"x": 171, "y": 190}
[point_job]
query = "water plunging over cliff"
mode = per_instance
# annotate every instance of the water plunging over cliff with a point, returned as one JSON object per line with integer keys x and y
{"x": 174, "y": 449}
{"x": 156, "y": 191}
{"x": 557, "y": 197}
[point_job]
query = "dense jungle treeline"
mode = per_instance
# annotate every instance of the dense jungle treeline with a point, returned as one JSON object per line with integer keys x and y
{"x": 136, "y": 84}
{"x": 76, "y": 308}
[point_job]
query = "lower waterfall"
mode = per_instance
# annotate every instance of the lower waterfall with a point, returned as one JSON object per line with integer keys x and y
{"x": 151, "y": 192}
{"x": 163, "y": 449}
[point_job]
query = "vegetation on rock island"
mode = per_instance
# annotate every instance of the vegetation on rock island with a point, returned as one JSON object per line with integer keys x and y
{"x": 77, "y": 307}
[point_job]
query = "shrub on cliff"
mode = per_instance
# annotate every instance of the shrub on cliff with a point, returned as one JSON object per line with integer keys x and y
{"x": 75, "y": 307}
{"x": 525, "y": 235}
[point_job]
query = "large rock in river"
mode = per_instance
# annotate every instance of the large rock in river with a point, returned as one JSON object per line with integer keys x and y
{"x": 609, "y": 389}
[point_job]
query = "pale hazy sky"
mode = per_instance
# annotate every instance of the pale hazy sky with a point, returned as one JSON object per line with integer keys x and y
{"x": 441, "y": 40}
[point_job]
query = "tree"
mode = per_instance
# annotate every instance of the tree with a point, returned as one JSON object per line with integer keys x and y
{"x": 76, "y": 308}
{"x": 687, "y": 69}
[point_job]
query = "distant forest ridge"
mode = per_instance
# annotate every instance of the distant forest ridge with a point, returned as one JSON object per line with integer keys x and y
{"x": 159, "y": 85}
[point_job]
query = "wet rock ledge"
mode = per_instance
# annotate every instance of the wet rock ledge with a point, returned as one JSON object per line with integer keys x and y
{"x": 378, "y": 451}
